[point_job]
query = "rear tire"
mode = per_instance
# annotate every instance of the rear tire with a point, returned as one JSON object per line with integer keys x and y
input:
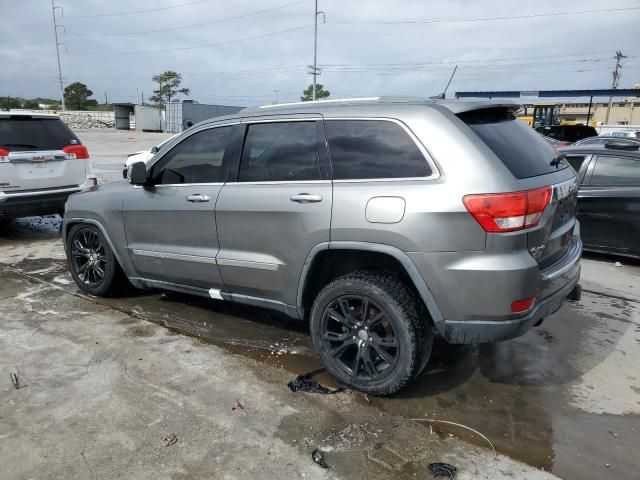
{"x": 91, "y": 261}
{"x": 371, "y": 332}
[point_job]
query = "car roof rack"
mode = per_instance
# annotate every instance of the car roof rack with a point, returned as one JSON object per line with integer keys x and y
{"x": 621, "y": 144}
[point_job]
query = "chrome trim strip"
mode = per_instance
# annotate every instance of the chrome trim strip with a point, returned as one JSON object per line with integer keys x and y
{"x": 564, "y": 189}
{"x": 227, "y": 262}
{"x": 174, "y": 256}
{"x": 281, "y": 182}
{"x": 178, "y": 287}
{"x": 566, "y": 263}
{"x": 4, "y": 195}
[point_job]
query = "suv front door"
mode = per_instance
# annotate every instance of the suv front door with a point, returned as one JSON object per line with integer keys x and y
{"x": 170, "y": 226}
{"x": 276, "y": 212}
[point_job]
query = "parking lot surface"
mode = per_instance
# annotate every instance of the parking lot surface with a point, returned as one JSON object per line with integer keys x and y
{"x": 106, "y": 381}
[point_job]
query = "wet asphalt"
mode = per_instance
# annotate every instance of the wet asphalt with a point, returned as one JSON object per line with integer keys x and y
{"x": 564, "y": 398}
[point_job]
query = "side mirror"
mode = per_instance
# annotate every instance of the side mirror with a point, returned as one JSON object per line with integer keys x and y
{"x": 138, "y": 174}
{"x": 154, "y": 150}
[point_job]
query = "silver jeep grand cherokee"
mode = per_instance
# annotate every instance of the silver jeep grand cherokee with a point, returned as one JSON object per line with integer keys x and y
{"x": 382, "y": 222}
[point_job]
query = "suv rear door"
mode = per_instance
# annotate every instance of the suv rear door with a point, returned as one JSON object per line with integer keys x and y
{"x": 38, "y": 154}
{"x": 275, "y": 208}
{"x": 609, "y": 204}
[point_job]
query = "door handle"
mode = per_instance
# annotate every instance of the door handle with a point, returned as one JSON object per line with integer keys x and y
{"x": 196, "y": 197}
{"x": 306, "y": 198}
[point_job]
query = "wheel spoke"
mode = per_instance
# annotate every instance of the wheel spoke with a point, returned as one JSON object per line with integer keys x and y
{"x": 344, "y": 320}
{"x": 337, "y": 337}
{"x": 356, "y": 363}
{"x": 373, "y": 321}
{"x": 386, "y": 342}
{"x": 386, "y": 356}
{"x": 369, "y": 366}
{"x": 365, "y": 309}
{"x": 98, "y": 271}
{"x": 338, "y": 351}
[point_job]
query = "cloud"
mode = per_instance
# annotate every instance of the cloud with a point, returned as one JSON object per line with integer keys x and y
{"x": 244, "y": 60}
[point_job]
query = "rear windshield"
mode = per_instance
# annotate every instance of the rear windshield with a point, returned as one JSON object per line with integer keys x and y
{"x": 522, "y": 150}
{"x": 24, "y": 133}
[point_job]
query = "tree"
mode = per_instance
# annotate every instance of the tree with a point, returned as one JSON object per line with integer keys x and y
{"x": 76, "y": 96}
{"x": 168, "y": 87}
{"x": 321, "y": 93}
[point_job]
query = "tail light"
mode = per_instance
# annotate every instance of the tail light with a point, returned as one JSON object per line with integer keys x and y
{"x": 520, "y": 306}
{"x": 79, "y": 152}
{"x": 508, "y": 212}
{"x": 4, "y": 155}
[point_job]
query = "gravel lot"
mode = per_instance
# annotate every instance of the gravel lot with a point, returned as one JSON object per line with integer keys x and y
{"x": 105, "y": 381}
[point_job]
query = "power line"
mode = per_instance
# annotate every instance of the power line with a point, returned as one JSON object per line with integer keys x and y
{"x": 481, "y": 19}
{"x": 193, "y": 25}
{"x": 136, "y": 12}
{"x": 26, "y": 27}
{"x": 192, "y": 47}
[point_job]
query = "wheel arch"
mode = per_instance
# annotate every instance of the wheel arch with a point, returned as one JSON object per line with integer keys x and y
{"x": 318, "y": 270}
{"x": 68, "y": 224}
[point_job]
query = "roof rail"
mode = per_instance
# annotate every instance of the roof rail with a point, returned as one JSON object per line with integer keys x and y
{"x": 315, "y": 102}
{"x": 621, "y": 144}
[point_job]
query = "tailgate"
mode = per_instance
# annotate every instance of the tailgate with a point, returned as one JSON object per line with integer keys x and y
{"x": 551, "y": 240}
{"x": 37, "y": 170}
{"x": 36, "y": 153}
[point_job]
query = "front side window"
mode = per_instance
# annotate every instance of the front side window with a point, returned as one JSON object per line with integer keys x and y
{"x": 279, "y": 152}
{"x": 197, "y": 159}
{"x": 616, "y": 171}
{"x": 368, "y": 149}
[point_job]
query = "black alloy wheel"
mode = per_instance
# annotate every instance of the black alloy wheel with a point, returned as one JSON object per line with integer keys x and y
{"x": 360, "y": 337}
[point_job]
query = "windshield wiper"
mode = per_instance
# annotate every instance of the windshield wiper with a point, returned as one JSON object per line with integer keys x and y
{"x": 556, "y": 161}
{"x": 19, "y": 145}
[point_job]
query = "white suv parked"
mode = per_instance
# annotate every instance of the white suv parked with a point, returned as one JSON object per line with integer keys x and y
{"x": 42, "y": 162}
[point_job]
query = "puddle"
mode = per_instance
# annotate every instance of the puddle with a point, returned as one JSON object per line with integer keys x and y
{"x": 530, "y": 397}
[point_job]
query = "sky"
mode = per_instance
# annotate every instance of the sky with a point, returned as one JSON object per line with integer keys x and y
{"x": 242, "y": 52}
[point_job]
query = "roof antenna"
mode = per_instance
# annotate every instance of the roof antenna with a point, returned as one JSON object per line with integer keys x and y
{"x": 443, "y": 94}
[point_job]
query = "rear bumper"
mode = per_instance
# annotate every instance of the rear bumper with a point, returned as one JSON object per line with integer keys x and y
{"x": 556, "y": 285}
{"x": 484, "y": 331}
{"x": 41, "y": 203}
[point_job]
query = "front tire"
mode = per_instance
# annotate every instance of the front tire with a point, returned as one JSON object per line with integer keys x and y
{"x": 91, "y": 261}
{"x": 371, "y": 332}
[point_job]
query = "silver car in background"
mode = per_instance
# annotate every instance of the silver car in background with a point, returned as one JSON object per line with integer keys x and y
{"x": 382, "y": 222}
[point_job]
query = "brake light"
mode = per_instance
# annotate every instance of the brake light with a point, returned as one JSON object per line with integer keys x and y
{"x": 508, "y": 212}
{"x": 4, "y": 155}
{"x": 520, "y": 306}
{"x": 79, "y": 152}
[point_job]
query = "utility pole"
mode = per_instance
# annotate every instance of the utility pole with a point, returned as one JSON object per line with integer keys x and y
{"x": 314, "y": 68}
{"x": 55, "y": 31}
{"x": 106, "y": 99}
{"x": 614, "y": 84}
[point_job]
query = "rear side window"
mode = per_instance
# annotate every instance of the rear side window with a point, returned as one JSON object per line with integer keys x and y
{"x": 20, "y": 133}
{"x": 282, "y": 151}
{"x": 522, "y": 150}
{"x": 575, "y": 161}
{"x": 616, "y": 171}
{"x": 366, "y": 149}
